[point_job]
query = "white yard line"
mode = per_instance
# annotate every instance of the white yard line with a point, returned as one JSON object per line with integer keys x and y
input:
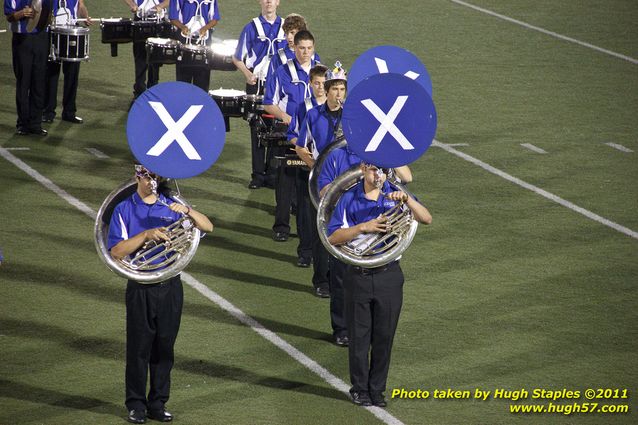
{"x": 97, "y": 153}
{"x": 18, "y": 149}
{"x": 538, "y": 190}
{"x": 619, "y": 147}
{"x": 544, "y": 31}
{"x": 533, "y": 148}
{"x": 221, "y": 302}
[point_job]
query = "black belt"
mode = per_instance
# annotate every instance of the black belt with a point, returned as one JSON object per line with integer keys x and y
{"x": 374, "y": 270}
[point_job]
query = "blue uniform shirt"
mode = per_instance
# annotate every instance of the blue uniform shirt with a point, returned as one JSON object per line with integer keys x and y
{"x": 184, "y": 10}
{"x": 11, "y": 6}
{"x": 336, "y": 163}
{"x": 318, "y": 129}
{"x": 251, "y": 48}
{"x": 297, "y": 119}
{"x": 60, "y": 17}
{"x": 283, "y": 92}
{"x": 276, "y": 61}
{"x": 354, "y": 208}
{"x": 132, "y": 216}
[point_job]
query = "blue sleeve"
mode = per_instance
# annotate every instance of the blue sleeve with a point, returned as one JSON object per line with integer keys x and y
{"x": 216, "y": 16}
{"x": 338, "y": 219}
{"x": 8, "y": 9}
{"x": 304, "y": 129}
{"x": 173, "y": 10}
{"x": 116, "y": 233}
{"x": 272, "y": 86}
{"x": 242, "y": 45}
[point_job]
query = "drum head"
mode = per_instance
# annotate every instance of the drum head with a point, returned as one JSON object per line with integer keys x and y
{"x": 227, "y": 93}
{"x": 158, "y": 41}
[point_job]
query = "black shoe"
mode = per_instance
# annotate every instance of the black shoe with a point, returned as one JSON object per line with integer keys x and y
{"x": 21, "y": 132}
{"x": 48, "y": 119}
{"x": 342, "y": 340}
{"x": 322, "y": 292}
{"x": 304, "y": 262}
{"x": 280, "y": 237}
{"x": 136, "y": 417}
{"x": 254, "y": 184}
{"x": 160, "y": 415}
{"x": 39, "y": 132}
{"x": 73, "y": 119}
{"x": 378, "y": 399}
{"x": 361, "y": 398}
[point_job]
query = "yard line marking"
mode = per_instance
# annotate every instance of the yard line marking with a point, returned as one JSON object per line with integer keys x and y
{"x": 538, "y": 190}
{"x": 457, "y": 144}
{"x": 47, "y": 183}
{"x": 533, "y": 148}
{"x": 217, "y": 299}
{"x": 97, "y": 153}
{"x": 544, "y": 31}
{"x": 18, "y": 149}
{"x": 619, "y": 147}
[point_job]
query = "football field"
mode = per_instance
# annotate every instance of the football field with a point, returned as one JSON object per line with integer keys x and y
{"x": 526, "y": 281}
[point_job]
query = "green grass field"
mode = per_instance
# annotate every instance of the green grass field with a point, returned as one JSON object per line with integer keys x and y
{"x": 506, "y": 289}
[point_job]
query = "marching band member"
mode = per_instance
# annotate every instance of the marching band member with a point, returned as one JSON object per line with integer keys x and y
{"x": 153, "y": 311}
{"x": 285, "y": 92}
{"x": 259, "y": 39}
{"x": 373, "y": 296}
{"x": 146, "y": 75}
{"x": 305, "y": 222}
{"x": 186, "y": 16}
{"x": 65, "y": 15}
{"x": 30, "y": 50}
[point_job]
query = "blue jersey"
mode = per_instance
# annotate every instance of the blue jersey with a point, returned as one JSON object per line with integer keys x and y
{"x": 259, "y": 39}
{"x": 297, "y": 119}
{"x": 60, "y": 16}
{"x": 354, "y": 208}
{"x": 283, "y": 55}
{"x": 336, "y": 163}
{"x": 318, "y": 129}
{"x": 289, "y": 87}
{"x": 11, "y": 6}
{"x": 132, "y": 216}
{"x": 184, "y": 10}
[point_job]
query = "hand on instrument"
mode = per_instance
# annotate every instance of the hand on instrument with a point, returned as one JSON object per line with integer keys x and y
{"x": 88, "y": 21}
{"x": 286, "y": 119}
{"x": 251, "y": 79}
{"x": 182, "y": 209}
{"x": 156, "y": 234}
{"x": 202, "y": 33}
{"x": 28, "y": 12}
{"x": 398, "y": 196}
{"x": 134, "y": 9}
{"x": 375, "y": 225}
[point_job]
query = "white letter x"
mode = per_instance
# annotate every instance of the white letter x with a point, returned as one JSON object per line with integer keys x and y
{"x": 382, "y": 66}
{"x": 387, "y": 124}
{"x": 175, "y": 131}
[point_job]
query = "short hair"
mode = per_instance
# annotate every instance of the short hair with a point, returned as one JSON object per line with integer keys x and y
{"x": 303, "y": 35}
{"x": 318, "y": 70}
{"x": 294, "y": 21}
{"x": 329, "y": 83}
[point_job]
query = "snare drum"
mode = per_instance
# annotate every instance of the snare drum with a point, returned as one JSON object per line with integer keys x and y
{"x": 192, "y": 55}
{"x": 69, "y": 44}
{"x": 116, "y": 30}
{"x": 220, "y": 55}
{"x": 141, "y": 30}
{"x": 229, "y": 101}
{"x": 161, "y": 50}
{"x": 253, "y": 104}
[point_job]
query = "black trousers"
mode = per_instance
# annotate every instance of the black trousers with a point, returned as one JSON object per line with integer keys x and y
{"x": 153, "y": 314}
{"x": 146, "y": 75}
{"x": 258, "y": 152}
{"x": 197, "y": 75}
{"x": 373, "y": 305}
{"x": 337, "y": 297}
{"x": 71, "y": 79}
{"x": 284, "y": 192}
{"x": 30, "y": 52}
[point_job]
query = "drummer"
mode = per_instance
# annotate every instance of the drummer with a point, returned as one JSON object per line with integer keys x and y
{"x": 195, "y": 19}
{"x": 30, "y": 48}
{"x": 259, "y": 39}
{"x": 146, "y": 75}
{"x": 65, "y": 16}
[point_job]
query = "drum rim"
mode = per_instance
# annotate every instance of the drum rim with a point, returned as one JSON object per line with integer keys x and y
{"x": 68, "y": 30}
{"x": 165, "y": 41}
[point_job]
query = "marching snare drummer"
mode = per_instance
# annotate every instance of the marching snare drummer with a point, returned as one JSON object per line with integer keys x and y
{"x": 286, "y": 91}
{"x": 65, "y": 12}
{"x": 146, "y": 75}
{"x": 195, "y": 19}
{"x": 153, "y": 311}
{"x": 30, "y": 49}
{"x": 258, "y": 41}
{"x": 374, "y": 296}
